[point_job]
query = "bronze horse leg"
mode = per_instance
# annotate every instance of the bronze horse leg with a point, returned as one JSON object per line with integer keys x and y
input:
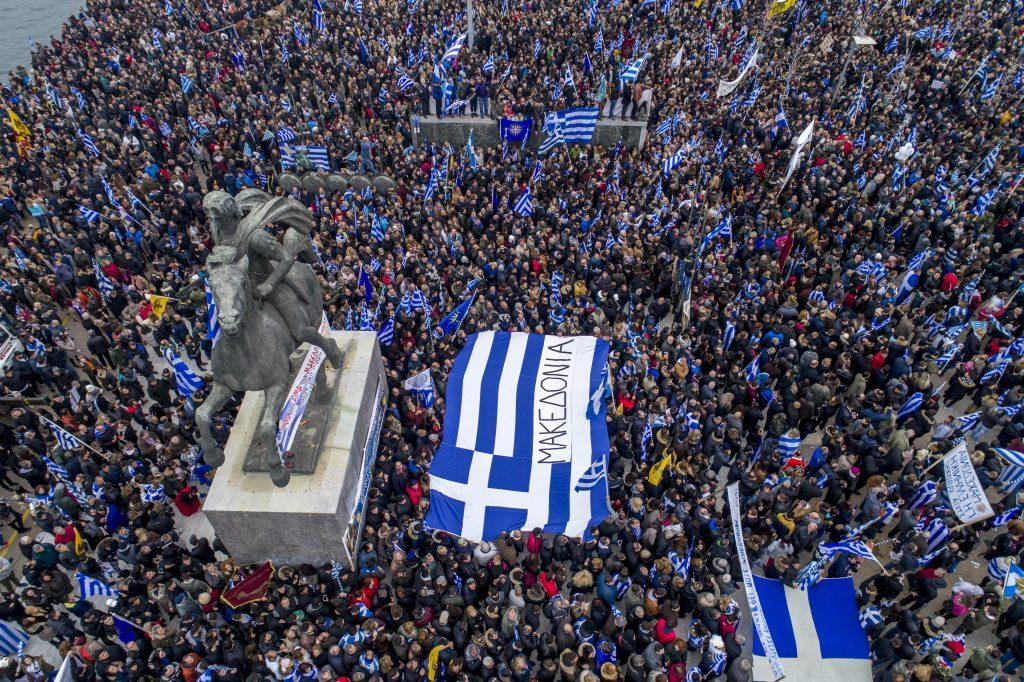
{"x": 273, "y": 399}
{"x": 329, "y": 346}
{"x": 212, "y": 453}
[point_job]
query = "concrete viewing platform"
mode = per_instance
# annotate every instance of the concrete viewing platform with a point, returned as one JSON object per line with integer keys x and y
{"x": 455, "y": 130}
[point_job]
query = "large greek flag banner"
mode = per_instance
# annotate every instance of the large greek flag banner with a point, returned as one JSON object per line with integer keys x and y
{"x": 524, "y": 445}
{"x": 816, "y": 632}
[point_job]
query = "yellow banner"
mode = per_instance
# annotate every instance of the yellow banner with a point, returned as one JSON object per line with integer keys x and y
{"x": 658, "y": 470}
{"x": 780, "y": 7}
{"x": 159, "y": 304}
{"x": 16, "y": 123}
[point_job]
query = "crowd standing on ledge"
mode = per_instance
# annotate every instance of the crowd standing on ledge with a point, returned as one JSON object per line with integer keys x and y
{"x": 745, "y": 317}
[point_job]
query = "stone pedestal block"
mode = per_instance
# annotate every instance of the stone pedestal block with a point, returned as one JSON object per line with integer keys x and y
{"x": 308, "y": 521}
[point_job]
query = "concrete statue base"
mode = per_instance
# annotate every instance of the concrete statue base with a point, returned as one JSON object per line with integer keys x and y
{"x": 308, "y": 521}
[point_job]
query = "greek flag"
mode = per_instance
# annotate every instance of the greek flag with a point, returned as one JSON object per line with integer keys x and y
{"x": 912, "y": 405}
{"x": 187, "y": 84}
{"x": 751, "y": 371}
{"x": 900, "y": 65}
{"x": 431, "y": 185}
{"x": 985, "y": 167}
{"x": 948, "y": 356}
{"x": 524, "y": 206}
{"x": 91, "y": 587}
{"x": 1006, "y": 516}
{"x": 452, "y": 52}
{"x": 88, "y": 214}
{"x": 575, "y": 125}
{"x": 730, "y": 334}
{"x": 815, "y": 633}
{"x": 519, "y": 450}
{"x": 1011, "y": 479}
{"x": 926, "y": 494}
{"x": 87, "y": 141}
{"x": 12, "y": 639}
{"x": 404, "y": 82}
{"x": 456, "y": 105}
{"x": 967, "y": 421}
{"x": 672, "y": 162}
{"x": 64, "y": 439}
{"x": 489, "y": 65}
{"x": 285, "y": 134}
{"x": 935, "y": 530}
{"x": 780, "y": 123}
{"x": 854, "y": 547}
{"x": 105, "y": 284}
{"x": 212, "y": 323}
{"x": 187, "y": 380}
{"x": 990, "y": 90}
{"x": 153, "y": 493}
{"x": 995, "y": 372}
{"x": 982, "y": 204}
{"x": 632, "y": 70}
{"x": 318, "y": 21}
{"x": 54, "y": 96}
{"x": 422, "y": 387}
{"x": 386, "y": 333}
{"x": 787, "y": 445}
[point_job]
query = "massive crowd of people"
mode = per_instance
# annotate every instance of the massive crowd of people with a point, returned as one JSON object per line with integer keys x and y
{"x": 746, "y": 313}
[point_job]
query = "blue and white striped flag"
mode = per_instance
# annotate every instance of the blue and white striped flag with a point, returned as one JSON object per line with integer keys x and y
{"x": 87, "y": 141}
{"x": 1007, "y": 516}
{"x": 188, "y": 381}
{"x": 787, "y": 445}
{"x": 452, "y": 53}
{"x": 948, "y": 356}
{"x": 104, "y": 283}
{"x": 386, "y": 333}
{"x": 936, "y": 531}
{"x": 632, "y": 70}
{"x": 212, "y": 323}
{"x": 524, "y": 205}
{"x": 152, "y": 493}
{"x": 13, "y": 639}
{"x": 926, "y": 494}
{"x": 854, "y": 547}
{"x": 912, "y": 405}
{"x": 729, "y": 335}
{"x": 88, "y": 214}
{"x": 91, "y": 587}
{"x": 66, "y": 440}
{"x": 751, "y": 371}
{"x": 673, "y": 161}
{"x": 187, "y": 84}
{"x": 996, "y": 372}
{"x": 508, "y": 460}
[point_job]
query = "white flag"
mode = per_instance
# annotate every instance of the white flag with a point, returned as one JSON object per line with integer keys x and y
{"x": 726, "y": 87}
{"x": 801, "y": 142}
{"x": 677, "y": 60}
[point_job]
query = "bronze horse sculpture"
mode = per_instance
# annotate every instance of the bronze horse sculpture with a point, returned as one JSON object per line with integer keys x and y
{"x": 269, "y": 302}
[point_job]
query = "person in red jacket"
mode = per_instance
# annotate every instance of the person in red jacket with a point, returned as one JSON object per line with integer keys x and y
{"x": 663, "y": 633}
{"x": 534, "y": 541}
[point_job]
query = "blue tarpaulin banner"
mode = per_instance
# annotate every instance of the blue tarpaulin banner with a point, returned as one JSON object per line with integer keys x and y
{"x": 515, "y": 130}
